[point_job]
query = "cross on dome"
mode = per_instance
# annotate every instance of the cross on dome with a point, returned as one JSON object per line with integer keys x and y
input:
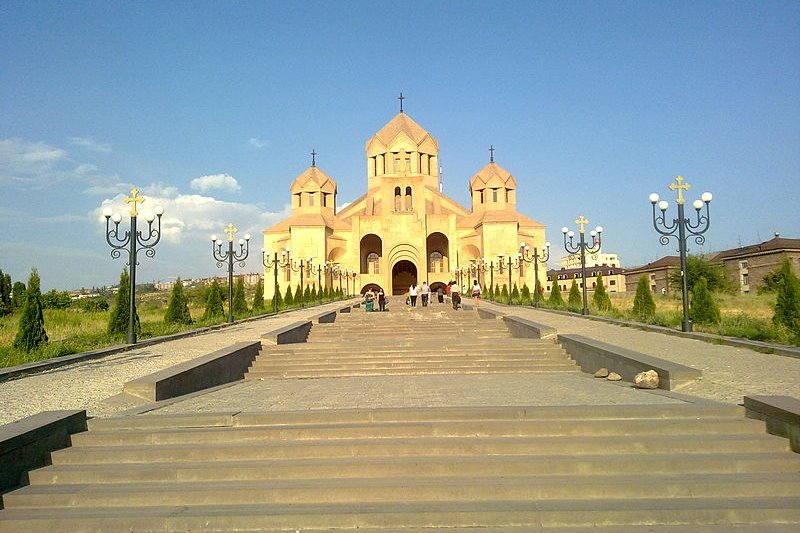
{"x": 491, "y": 153}
{"x": 401, "y": 98}
{"x": 314, "y": 157}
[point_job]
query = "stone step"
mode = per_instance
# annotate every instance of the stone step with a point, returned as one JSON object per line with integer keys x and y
{"x": 288, "y": 367}
{"x": 401, "y": 372}
{"x": 545, "y": 513}
{"x": 407, "y": 489}
{"x": 265, "y": 360}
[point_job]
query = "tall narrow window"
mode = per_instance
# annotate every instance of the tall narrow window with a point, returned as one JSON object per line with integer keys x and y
{"x": 372, "y": 263}
{"x": 436, "y": 262}
{"x": 311, "y": 199}
{"x": 409, "y": 203}
{"x": 494, "y": 195}
{"x": 398, "y": 200}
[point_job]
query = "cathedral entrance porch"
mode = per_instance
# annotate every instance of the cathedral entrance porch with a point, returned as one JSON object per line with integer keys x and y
{"x": 404, "y": 273}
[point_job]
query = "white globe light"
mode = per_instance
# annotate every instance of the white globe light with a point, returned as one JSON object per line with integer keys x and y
{"x": 107, "y": 212}
{"x": 247, "y": 236}
{"x": 698, "y": 204}
{"x": 150, "y": 216}
{"x": 599, "y": 229}
{"x": 116, "y": 217}
{"x": 547, "y": 244}
{"x": 158, "y": 210}
{"x": 571, "y": 234}
{"x": 593, "y": 233}
{"x": 707, "y": 197}
{"x": 663, "y": 205}
{"x": 241, "y": 242}
{"x": 263, "y": 250}
{"x": 654, "y": 198}
{"x": 213, "y": 238}
{"x": 564, "y": 229}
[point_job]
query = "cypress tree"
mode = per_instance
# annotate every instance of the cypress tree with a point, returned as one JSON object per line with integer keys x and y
{"x": 600, "y": 299}
{"x": 575, "y": 300}
{"x": 239, "y": 299}
{"x": 643, "y": 305}
{"x": 525, "y": 295}
{"x": 504, "y": 293}
{"x": 5, "y": 294}
{"x": 214, "y": 307}
{"x": 298, "y": 296}
{"x": 537, "y": 289}
{"x": 555, "y": 299}
{"x": 18, "y": 295}
{"x": 288, "y": 299}
{"x": 307, "y": 295}
{"x": 313, "y": 296}
{"x": 278, "y": 297}
{"x": 703, "y": 309}
{"x": 515, "y": 295}
{"x": 31, "y": 333}
{"x": 258, "y": 297}
{"x": 178, "y": 307}
{"x": 787, "y": 304}
{"x": 496, "y": 292}
{"x": 120, "y": 314}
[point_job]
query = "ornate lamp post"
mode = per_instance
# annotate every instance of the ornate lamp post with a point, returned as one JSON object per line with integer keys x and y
{"x": 534, "y": 257}
{"x": 583, "y": 247}
{"x": 274, "y": 264}
{"x": 131, "y": 240}
{"x": 295, "y": 267}
{"x": 229, "y": 256}
{"x": 684, "y": 228}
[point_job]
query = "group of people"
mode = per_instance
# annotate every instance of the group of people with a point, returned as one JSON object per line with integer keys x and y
{"x": 451, "y": 292}
{"x": 369, "y": 299}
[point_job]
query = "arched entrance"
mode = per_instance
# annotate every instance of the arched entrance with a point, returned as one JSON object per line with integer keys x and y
{"x": 404, "y": 273}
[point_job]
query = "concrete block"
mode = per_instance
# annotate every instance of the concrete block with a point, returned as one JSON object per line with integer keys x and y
{"x": 489, "y": 313}
{"x": 522, "y": 327}
{"x": 295, "y": 332}
{"x": 591, "y": 354}
{"x": 781, "y": 414}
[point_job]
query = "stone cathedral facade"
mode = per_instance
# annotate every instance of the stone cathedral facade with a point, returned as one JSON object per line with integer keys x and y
{"x": 403, "y": 229}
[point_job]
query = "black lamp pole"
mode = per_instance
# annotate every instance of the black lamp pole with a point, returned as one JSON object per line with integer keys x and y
{"x": 131, "y": 240}
{"x": 583, "y": 247}
{"x": 229, "y": 256}
{"x": 683, "y": 226}
{"x": 527, "y": 256}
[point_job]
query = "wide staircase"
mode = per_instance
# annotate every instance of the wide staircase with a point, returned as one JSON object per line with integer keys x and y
{"x": 615, "y": 468}
{"x": 433, "y": 340}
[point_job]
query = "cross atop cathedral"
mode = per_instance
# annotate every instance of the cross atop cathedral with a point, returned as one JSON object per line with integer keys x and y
{"x": 582, "y": 222}
{"x": 491, "y": 153}
{"x": 230, "y": 230}
{"x": 680, "y": 187}
{"x": 401, "y": 98}
{"x": 314, "y": 157}
{"x": 133, "y": 199}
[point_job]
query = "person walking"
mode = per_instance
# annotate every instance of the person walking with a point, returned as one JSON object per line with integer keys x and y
{"x": 425, "y": 291}
{"x": 412, "y": 293}
{"x": 369, "y": 300}
{"x": 455, "y": 294}
{"x": 476, "y": 292}
{"x": 440, "y": 294}
{"x": 381, "y": 300}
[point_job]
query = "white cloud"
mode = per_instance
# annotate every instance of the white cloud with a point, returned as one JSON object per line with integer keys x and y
{"x": 90, "y": 144}
{"x": 30, "y": 163}
{"x": 223, "y": 182}
{"x": 255, "y": 142}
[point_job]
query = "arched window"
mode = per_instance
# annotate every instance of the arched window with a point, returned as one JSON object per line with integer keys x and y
{"x": 372, "y": 263}
{"x": 409, "y": 202}
{"x": 494, "y": 195}
{"x": 436, "y": 262}
{"x": 311, "y": 199}
{"x": 398, "y": 201}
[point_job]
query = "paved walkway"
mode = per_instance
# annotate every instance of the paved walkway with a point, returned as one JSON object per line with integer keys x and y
{"x": 728, "y": 374}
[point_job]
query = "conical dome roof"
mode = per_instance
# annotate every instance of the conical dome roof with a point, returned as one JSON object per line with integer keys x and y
{"x": 313, "y": 179}
{"x": 404, "y": 124}
{"x": 492, "y": 175}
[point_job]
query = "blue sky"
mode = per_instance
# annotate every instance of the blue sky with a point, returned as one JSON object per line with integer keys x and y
{"x": 211, "y": 109}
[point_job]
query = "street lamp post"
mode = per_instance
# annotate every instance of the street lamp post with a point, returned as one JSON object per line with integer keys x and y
{"x": 274, "y": 265}
{"x": 527, "y": 256}
{"x": 229, "y": 256}
{"x": 132, "y": 240}
{"x": 684, "y": 228}
{"x": 583, "y": 247}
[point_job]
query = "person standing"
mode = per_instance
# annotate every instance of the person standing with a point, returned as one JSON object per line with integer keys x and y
{"x": 455, "y": 294}
{"x": 381, "y": 300}
{"x": 425, "y": 291}
{"x": 476, "y": 292}
{"x": 440, "y": 294}
{"x": 369, "y": 300}
{"x": 412, "y": 293}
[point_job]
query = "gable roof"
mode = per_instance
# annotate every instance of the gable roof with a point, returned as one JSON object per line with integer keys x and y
{"x": 774, "y": 244}
{"x": 405, "y": 124}
{"x": 667, "y": 261}
{"x": 492, "y": 174}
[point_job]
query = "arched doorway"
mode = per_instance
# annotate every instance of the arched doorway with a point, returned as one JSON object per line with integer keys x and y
{"x": 404, "y": 273}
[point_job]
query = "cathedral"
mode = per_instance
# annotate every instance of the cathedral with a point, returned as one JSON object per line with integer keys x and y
{"x": 403, "y": 230}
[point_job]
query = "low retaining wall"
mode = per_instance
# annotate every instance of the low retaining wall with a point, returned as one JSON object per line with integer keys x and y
{"x": 27, "y": 443}
{"x": 290, "y": 334}
{"x": 489, "y": 313}
{"x": 528, "y": 329}
{"x": 781, "y": 414}
{"x": 223, "y": 366}
{"x": 592, "y": 355}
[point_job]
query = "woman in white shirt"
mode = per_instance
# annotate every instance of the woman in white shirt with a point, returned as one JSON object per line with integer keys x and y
{"x": 412, "y": 293}
{"x": 476, "y": 292}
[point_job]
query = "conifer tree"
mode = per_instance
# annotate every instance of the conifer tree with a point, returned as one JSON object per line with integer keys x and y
{"x": 313, "y": 296}
{"x": 258, "y": 297}
{"x": 178, "y": 307}
{"x": 5, "y": 294}
{"x": 18, "y": 295}
{"x": 31, "y": 333}
{"x": 575, "y": 300}
{"x": 537, "y": 291}
{"x": 214, "y": 306}
{"x": 787, "y": 304}
{"x": 298, "y": 297}
{"x": 239, "y": 299}
{"x": 525, "y": 295}
{"x": 555, "y": 300}
{"x": 643, "y": 305}
{"x": 288, "y": 299}
{"x": 277, "y": 295}
{"x": 504, "y": 293}
{"x": 600, "y": 299}
{"x": 515, "y": 295}
{"x": 703, "y": 309}
{"x": 120, "y": 314}
{"x": 496, "y": 292}
{"x": 307, "y": 295}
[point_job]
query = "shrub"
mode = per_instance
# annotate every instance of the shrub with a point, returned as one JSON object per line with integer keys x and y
{"x": 515, "y": 295}
{"x": 120, "y": 315}
{"x": 575, "y": 300}
{"x": 600, "y": 299}
{"x": 31, "y": 333}
{"x": 787, "y": 303}
{"x": 703, "y": 308}
{"x": 697, "y": 267}
{"x": 54, "y": 299}
{"x": 504, "y": 293}
{"x": 214, "y": 307}
{"x": 239, "y": 300}
{"x": 643, "y": 305}
{"x": 525, "y": 295}
{"x": 258, "y": 297}
{"x": 555, "y": 299}
{"x": 298, "y": 296}
{"x": 178, "y": 307}
{"x": 288, "y": 299}
{"x": 95, "y": 304}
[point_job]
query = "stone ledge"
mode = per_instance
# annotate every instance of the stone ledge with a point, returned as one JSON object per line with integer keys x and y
{"x": 781, "y": 414}
{"x": 27, "y": 443}
{"x": 290, "y": 334}
{"x": 591, "y": 355}
{"x": 522, "y": 327}
{"x": 219, "y": 367}
{"x": 489, "y": 313}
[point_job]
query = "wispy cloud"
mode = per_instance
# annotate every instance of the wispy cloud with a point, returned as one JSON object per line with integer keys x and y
{"x": 224, "y": 182}
{"x": 90, "y": 144}
{"x": 255, "y": 142}
{"x": 29, "y": 163}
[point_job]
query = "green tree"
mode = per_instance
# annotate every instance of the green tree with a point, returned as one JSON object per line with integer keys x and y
{"x": 525, "y": 295}
{"x": 515, "y": 298}
{"x": 6, "y": 306}
{"x": 537, "y": 289}
{"x": 555, "y": 300}
{"x": 120, "y": 314}
{"x": 298, "y": 296}
{"x": 697, "y": 267}
{"x": 313, "y": 295}
{"x": 54, "y": 299}
{"x": 258, "y": 297}
{"x": 643, "y": 305}
{"x": 278, "y": 297}
{"x": 575, "y": 300}
{"x": 178, "y": 307}
{"x": 787, "y": 303}
{"x": 18, "y": 295}
{"x": 703, "y": 309}
{"x": 600, "y": 299}
{"x": 307, "y": 295}
{"x": 504, "y": 294}
{"x": 288, "y": 298}
{"x": 239, "y": 299}
{"x": 214, "y": 305}
{"x": 31, "y": 333}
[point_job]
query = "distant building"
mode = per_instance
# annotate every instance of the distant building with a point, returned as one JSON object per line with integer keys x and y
{"x": 657, "y": 273}
{"x": 598, "y": 259}
{"x": 746, "y": 266}
{"x": 250, "y": 280}
{"x": 613, "y": 278}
